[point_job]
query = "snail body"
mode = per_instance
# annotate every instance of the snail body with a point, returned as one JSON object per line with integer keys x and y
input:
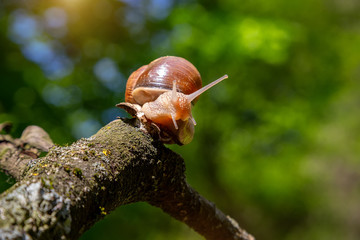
{"x": 164, "y": 92}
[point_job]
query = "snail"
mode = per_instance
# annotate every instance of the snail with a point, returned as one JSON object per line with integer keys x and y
{"x": 161, "y": 95}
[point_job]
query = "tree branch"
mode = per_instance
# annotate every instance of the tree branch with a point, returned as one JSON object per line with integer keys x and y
{"x": 64, "y": 193}
{"x": 16, "y": 153}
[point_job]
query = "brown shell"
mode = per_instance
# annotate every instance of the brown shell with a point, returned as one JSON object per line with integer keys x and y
{"x": 149, "y": 81}
{"x": 131, "y": 82}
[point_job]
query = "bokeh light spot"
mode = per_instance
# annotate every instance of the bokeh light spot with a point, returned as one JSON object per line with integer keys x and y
{"x": 38, "y": 52}
{"x": 111, "y": 114}
{"x": 60, "y": 96}
{"x": 160, "y": 9}
{"x": 55, "y": 21}
{"x": 83, "y": 123}
{"x": 55, "y": 17}
{"x": 107, "y": 72}
{"x": 58, "y": 67}
{"x": 23, "y": 27}
{"x": 85, "y": 128}
{"x": 263, "y": 39}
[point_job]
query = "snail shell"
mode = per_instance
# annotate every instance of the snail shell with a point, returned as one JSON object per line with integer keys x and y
{"x": 150, "y": 81}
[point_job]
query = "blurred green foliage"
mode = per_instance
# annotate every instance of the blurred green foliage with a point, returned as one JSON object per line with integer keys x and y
{"x": 276, "y": 145}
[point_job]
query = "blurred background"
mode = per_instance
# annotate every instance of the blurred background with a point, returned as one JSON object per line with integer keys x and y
{"x": 277, "y": 144}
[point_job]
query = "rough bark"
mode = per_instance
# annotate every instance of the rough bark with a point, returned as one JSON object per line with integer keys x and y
{"x": 63, "y": 194}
